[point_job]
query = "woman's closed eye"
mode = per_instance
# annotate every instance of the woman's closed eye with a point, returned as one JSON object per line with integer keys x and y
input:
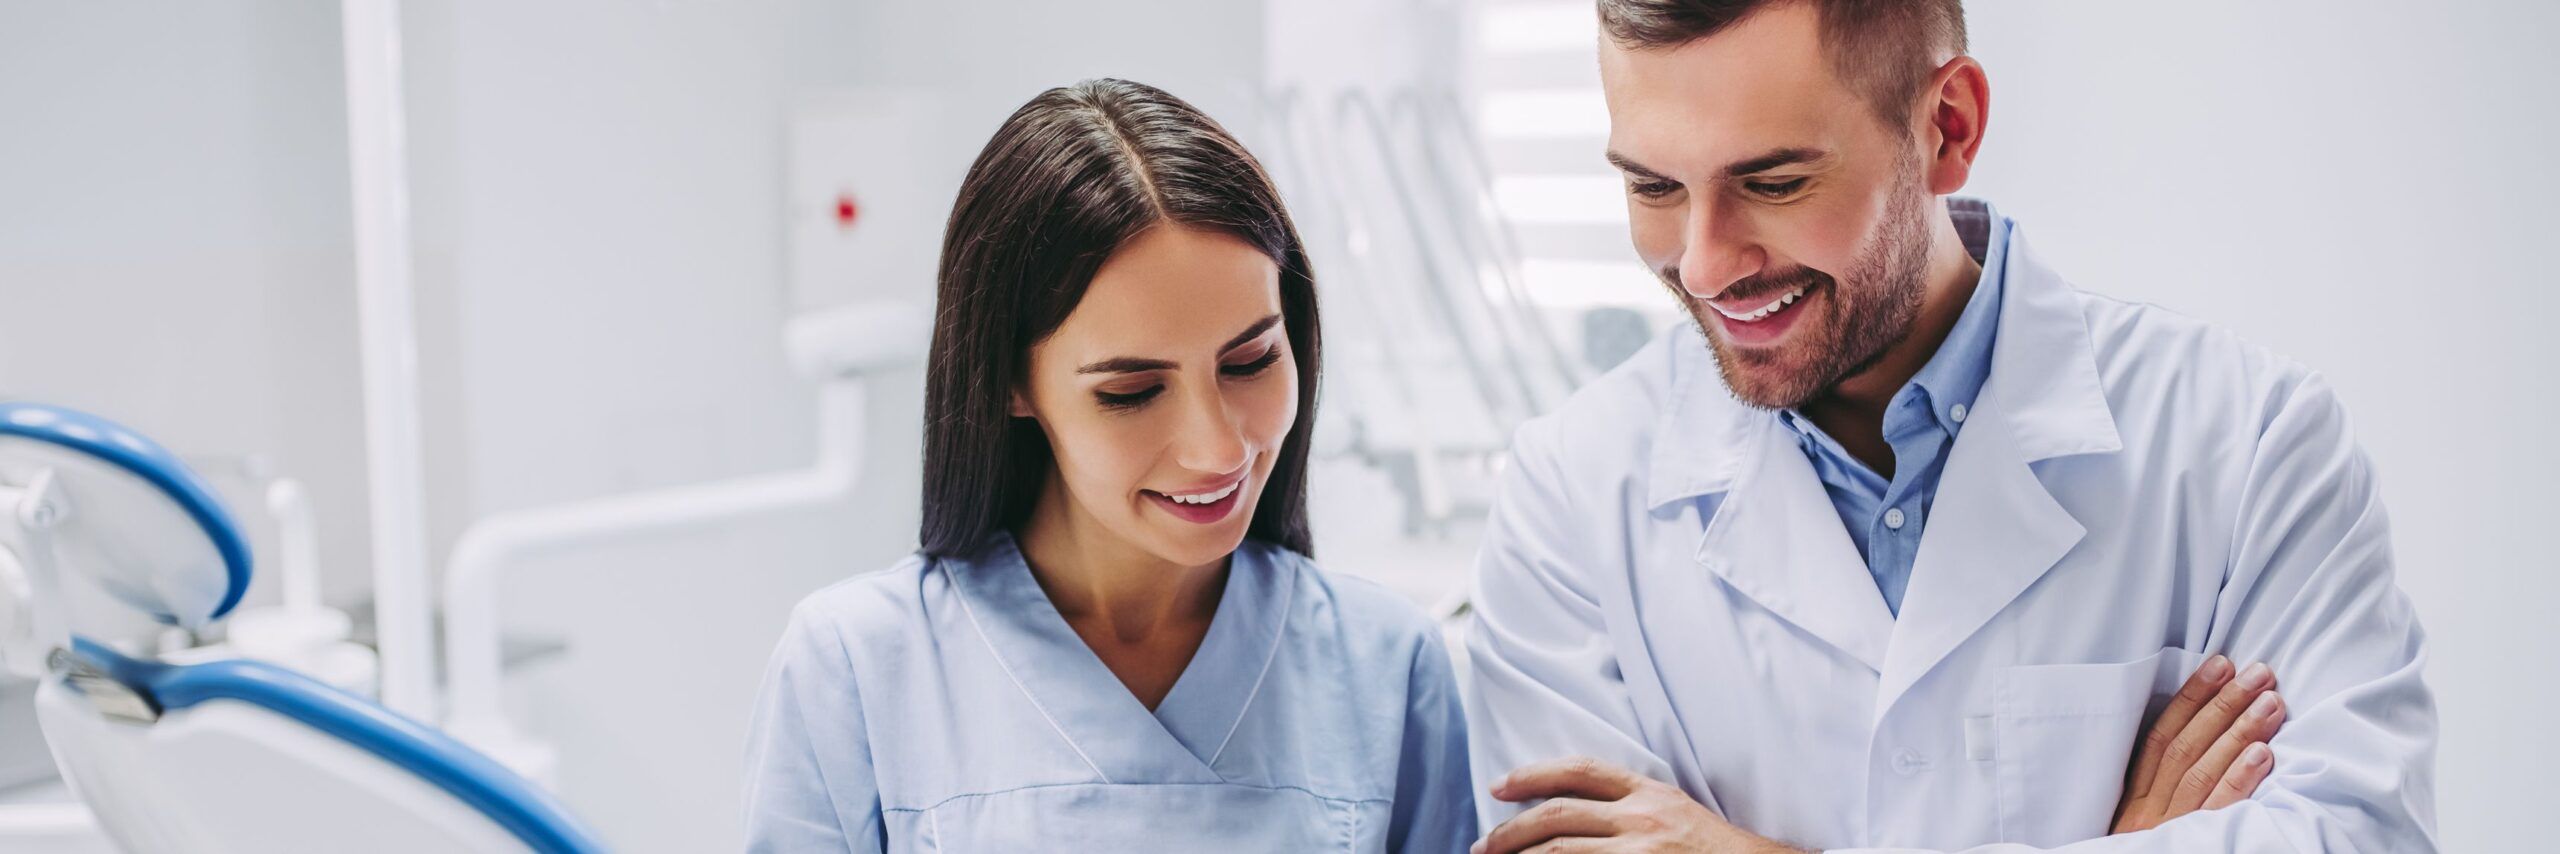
{"x": 1255, "y": 366}
{"x": 1118, "y": 399}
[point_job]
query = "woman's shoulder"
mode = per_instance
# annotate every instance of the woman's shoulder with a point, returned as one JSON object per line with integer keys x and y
{"x": 1359, "y": 609}
{"x": 869, "y": 613}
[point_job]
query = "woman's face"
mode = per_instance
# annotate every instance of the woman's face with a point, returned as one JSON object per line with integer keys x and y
{"x": 1167, "y": 392}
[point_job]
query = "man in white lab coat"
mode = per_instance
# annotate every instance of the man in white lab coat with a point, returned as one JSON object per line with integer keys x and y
{"x": 1908, "y": 543}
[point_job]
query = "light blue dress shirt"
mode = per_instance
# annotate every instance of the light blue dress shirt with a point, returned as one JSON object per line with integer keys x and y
{"x": 945, "y": 705}
{"x": 1885, "y": 517}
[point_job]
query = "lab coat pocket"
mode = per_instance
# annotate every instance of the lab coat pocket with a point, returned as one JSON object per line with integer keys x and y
{"x": 2062, "y": 736}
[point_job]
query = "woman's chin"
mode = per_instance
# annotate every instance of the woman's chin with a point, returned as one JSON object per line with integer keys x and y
{"x": 1197, "y": 544}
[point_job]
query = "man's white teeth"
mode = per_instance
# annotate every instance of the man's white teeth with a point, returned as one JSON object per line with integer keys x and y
{"x": 1774, "y": 305}
{"x": 1208, "y": 497}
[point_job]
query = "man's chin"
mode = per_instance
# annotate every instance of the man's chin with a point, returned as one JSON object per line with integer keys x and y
{"x": 1763, "y": 379}
{"x": 1772, "y": 385}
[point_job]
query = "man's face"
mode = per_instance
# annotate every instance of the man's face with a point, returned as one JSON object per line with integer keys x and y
{"x": 1789, "y": 221}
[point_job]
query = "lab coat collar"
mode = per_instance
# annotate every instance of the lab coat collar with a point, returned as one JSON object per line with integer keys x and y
{"x": 1776, "y": 537}
{"x": 2044, "y": 366}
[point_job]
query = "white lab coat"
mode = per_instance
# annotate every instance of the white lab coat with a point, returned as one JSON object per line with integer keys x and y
{"x": 1665, "y": 585}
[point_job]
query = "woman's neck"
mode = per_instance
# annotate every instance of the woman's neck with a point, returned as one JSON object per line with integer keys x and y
{"x": 1104, "y": 584}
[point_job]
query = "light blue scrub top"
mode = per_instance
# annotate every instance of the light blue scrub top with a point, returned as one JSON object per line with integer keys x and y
{"x": 945, "y": 705}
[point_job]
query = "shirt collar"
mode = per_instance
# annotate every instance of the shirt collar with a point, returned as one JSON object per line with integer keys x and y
{"x": 1954, "y": 376}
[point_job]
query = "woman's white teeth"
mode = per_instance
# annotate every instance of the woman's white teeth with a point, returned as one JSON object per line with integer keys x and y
{"x": 1207, "y": 497}
{"x": 1774, "y": 305}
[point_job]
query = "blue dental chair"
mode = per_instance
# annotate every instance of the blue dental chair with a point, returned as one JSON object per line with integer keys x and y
{"x": 229, "y": 756}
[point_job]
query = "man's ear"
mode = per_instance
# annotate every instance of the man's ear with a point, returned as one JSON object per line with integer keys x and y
{"x": 1958, "y": 107}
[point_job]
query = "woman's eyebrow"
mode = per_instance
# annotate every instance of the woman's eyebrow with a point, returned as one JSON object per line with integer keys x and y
{"x": 1135, "y": 365}
{"x": 1250, "y": 333}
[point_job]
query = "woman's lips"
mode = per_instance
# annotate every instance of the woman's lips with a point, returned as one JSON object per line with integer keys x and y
{"x": 1202, "y": 507}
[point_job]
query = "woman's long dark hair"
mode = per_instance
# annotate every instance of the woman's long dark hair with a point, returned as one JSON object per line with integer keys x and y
{"x": 1067, "y": 180}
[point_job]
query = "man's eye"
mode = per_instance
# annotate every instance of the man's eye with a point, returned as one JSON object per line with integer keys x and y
{"x": 1774, "y": 189}
{"x": 1653, "y": 189}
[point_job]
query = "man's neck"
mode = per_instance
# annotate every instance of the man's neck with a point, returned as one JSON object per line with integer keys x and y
{"x": 1852, "y": 412}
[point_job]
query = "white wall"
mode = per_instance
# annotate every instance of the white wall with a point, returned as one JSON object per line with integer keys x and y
{"x": 2366, "y": 187}
{"x": 175, "y": 247}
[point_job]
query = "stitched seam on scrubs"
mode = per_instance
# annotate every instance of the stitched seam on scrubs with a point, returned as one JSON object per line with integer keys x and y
{"x": 992, "y": 793}
{"x": 1286, "y": 603}
{"x": 835, "y": 810}
{"x": 1027, "y": 694}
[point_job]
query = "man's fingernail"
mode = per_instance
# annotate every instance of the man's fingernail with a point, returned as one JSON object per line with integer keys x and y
{"x": 2217, "y": 669}
{"x": 2255, "y": 755}
{"x": 2256, "y": 676}
{"x": 2265, "y": 705}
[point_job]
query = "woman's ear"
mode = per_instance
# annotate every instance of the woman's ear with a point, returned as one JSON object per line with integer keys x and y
{"x": 1018, "y": 404}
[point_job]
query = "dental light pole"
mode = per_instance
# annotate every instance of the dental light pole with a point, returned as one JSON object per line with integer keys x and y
{"x": 840, "y": 348}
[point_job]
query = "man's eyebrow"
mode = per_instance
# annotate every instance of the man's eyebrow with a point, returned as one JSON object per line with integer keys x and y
{"x": 1762, "y": 163}
{"x": 1633, "y": 168}
{"x": 1135, "y": 365}
{"x": 1773, "y": 160}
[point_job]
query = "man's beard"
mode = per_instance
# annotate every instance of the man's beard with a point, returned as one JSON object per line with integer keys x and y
{"x": 1860, "y": 321}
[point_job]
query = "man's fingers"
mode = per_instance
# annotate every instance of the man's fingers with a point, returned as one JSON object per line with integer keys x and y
{"x": 2255, "y": 762}
{"x": 2208, "y": 725}
{"x": 1574, "y": 777}
{"x": 1556, "y": 819}
{"x": 1572, "y": 845}
{"x": 2200, "y": 687}
{"x": 2256, "y": 725}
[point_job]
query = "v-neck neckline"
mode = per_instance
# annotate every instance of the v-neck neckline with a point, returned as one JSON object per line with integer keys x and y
{"x": 1183, "y": 737}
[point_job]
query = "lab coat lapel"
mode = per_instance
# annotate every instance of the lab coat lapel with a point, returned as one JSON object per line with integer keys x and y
{"x": 1777, "y": 539}
{"x": 1996, "y": 528}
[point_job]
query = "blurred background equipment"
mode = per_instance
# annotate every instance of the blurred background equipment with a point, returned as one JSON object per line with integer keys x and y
{"x": 457, "y": 304}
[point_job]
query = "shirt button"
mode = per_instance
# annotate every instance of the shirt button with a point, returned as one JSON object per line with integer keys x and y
{"x": 1956, "y": 412}
{"x": 1909, "y": 762}
{"x": 1893, "y": 518}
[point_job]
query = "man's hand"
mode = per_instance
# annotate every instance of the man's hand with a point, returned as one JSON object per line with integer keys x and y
{"x": 2207, "y": 750}
{"x": 1596, "y": 806}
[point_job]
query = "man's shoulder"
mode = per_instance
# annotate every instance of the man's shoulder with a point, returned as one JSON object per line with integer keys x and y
{"x": 2164, "y": 369}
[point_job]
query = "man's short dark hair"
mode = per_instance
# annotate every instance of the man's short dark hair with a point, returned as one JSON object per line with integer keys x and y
{"x": 1885, "y": 49}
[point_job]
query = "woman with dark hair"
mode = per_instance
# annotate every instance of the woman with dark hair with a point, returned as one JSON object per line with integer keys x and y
{"x": 1112, "y": 637}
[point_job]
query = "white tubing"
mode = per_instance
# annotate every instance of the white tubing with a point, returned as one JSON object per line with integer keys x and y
{"x": 28, "y": 515}
{"x": 298, "y": 543}
{"x": 376, "y": 155}
{"x": 494, "y": 545}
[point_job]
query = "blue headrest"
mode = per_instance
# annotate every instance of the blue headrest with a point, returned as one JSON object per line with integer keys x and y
{"x": 141, "y": 524}
{"x": 515, "y": 804}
